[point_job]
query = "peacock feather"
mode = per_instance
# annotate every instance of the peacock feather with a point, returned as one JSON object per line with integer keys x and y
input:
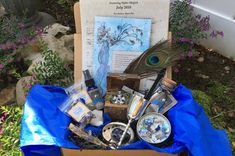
{"x": 160, "y": 56}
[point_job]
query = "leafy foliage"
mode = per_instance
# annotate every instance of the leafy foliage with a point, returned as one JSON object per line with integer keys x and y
{"x": 13, "y": 35}
{"x": 51, "y": 70}
{"x": 209, "y": 102}
{"x": 188, "y": 28}
{"x": 10, "y": 130}
{"x": 66, "y": 3}
{"x": 219, "y": 91}
{"x": 204, "y": 100}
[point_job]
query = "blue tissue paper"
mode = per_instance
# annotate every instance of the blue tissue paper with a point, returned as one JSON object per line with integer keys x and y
{"x": 44, "y": 126}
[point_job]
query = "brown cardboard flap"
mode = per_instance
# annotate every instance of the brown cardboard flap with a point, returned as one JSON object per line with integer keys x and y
{"x": 77, "y": 18}
{"x": 71, "y": 152}
{"x": 77, "y": 57}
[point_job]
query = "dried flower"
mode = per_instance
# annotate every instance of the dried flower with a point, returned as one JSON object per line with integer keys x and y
{"x": 1, "y": 66}
{"x": 221, "y": 33}
{"x": 3, "y": 117}
{"x": 176, "y": 70}
{"x": 213, "y": 34}
{"x": 3, "y": 47}
{"x": 21, "y": 25}
{"x": 182, "y": 57}
{"x": 17, "y": 36}
{"x": 204, "y": 23}
{"x": 188, "y": 28}
{"x": 185, "y": 40}
{"x": 190, "y": 54}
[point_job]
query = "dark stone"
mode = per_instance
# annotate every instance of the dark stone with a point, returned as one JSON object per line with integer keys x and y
{"x": 7, "y": 95}
{"x": 21, "y": 8}
{"x": 28, "y": 11}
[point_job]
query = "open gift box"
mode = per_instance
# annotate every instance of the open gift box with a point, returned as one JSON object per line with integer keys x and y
{"x": 78, "y": 76}
{"x": 53, "y": 118}
{"x": 45, "y": 128}
{"x": 56, "y": 134}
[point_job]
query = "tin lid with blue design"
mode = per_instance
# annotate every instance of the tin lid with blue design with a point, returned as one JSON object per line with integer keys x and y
{"x": 154, "y": 128}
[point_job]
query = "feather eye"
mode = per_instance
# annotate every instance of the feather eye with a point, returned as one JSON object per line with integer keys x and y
{"x": 154, "y": 59}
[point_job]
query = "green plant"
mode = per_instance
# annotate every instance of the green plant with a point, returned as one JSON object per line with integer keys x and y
{"x": 188, "y": 28}
{"x": 52, "y": 70}
{"x": 220, "y": 93}
{"x": 10, "y": 130}
{"x": 209, "y": 101}
{"x": 205, "y": 100}
{"x": 66, "y": 3}
{"x": 62, "y": 2}
{"x": 13, "y": 35}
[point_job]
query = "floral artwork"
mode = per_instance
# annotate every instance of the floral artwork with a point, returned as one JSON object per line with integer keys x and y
{"x": 122, "y": 35}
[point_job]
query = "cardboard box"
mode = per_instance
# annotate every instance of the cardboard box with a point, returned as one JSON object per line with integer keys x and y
{"x": 78, "y": 76}
{"x": 72, "y": 152}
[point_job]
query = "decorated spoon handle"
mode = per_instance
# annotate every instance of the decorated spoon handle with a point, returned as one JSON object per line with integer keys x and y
{"x": 124, "y": 133}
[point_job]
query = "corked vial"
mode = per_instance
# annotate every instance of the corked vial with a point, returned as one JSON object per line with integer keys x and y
{"x": 93, "y": 91}
{"x": 168, "y": 84}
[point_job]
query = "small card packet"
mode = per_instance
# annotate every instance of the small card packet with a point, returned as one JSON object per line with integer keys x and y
{"x": 78, "y": 111}
{"x": 163, "y": 103}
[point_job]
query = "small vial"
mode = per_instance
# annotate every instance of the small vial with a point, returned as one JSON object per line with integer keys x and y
{"x": 93, "y": 90}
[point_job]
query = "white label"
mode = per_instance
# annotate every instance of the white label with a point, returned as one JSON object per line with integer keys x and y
{"x": 121, "y": 59}
{"x": 78, "y": 111}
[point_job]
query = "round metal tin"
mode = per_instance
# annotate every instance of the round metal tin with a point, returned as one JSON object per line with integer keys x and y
{"x": 113, "y": 131}
{"x": 154, "y": 128}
